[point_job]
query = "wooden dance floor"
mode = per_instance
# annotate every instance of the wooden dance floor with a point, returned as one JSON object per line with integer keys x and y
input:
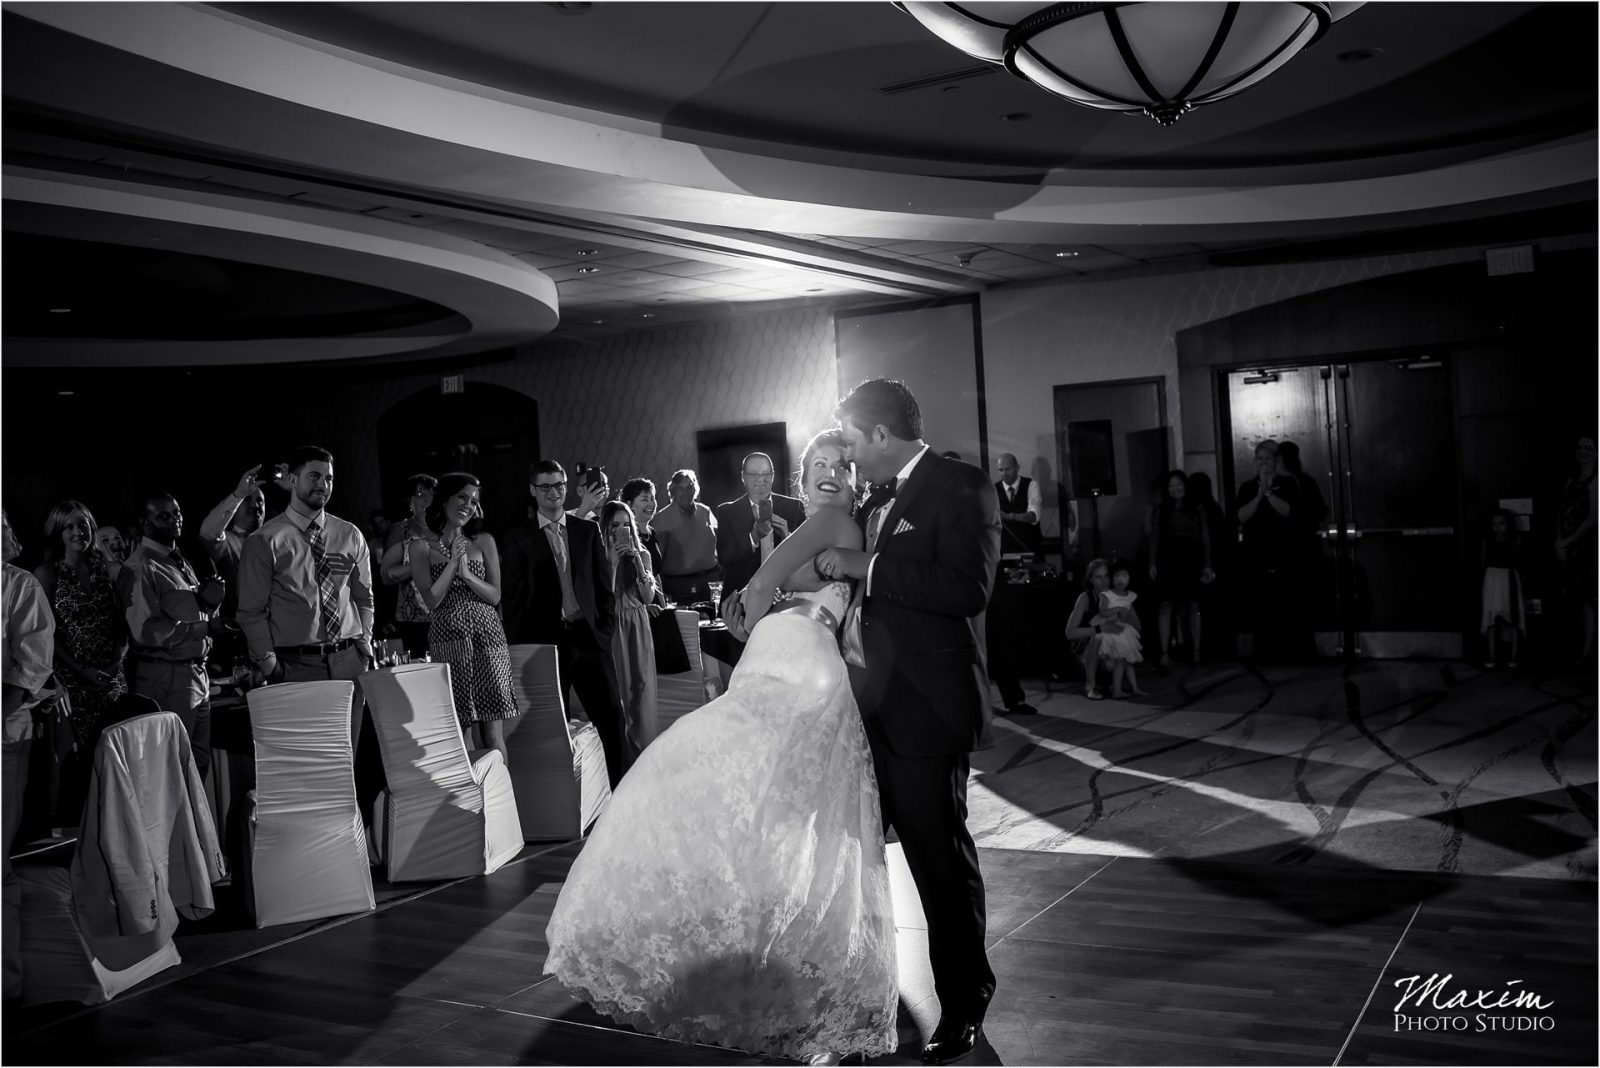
{"x": 1237, "y": 869}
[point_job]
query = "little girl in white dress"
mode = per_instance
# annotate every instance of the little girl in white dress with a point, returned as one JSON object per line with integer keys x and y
{"x": 1123, "y": 648}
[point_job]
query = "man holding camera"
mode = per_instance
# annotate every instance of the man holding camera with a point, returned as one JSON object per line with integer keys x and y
{"x": 749, "y": 528}
{"x": 170, "y": 614}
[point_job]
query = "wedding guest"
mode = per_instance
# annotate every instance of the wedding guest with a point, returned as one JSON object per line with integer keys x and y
{"x": 557, "y": 584}
{"x": 1180, "y": 561}
{"x": 224, "y": 529}
{"x": 594, "y": 490}
{"x": 411, "y": 612}
{"x": 749, "y": 528}
{"x": 634, "y": 585}
{"x": 29, "y": 656}
{"x": 639, "y": 494}
{"x": 169, "y": 612}
{"x": 1213, "y": 594}
{"x": 1085, "y": 630}
{"x": 687, "y": 531}
{"x": 459, "y": 576}
{"x": 108, "y": 539}
{"x": 1576, "y": 542}
{"x": 1501, "y": 606}
{"x": 1266, "y": 517}
{"x": 1021, "y": 506}
{"x": 305, "y": 600}
{"x": 91, "y": 640}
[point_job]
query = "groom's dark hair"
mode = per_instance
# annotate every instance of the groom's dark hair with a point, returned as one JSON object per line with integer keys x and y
{"x": 884, "y": 402}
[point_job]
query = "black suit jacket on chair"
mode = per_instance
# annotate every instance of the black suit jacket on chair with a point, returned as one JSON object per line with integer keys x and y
{"x": 923, "y": 691}
{"x": 531, "y": 583}
{"x": 735, "y": 523}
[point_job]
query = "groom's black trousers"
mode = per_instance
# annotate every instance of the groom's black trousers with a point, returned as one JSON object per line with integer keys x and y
{"x": 925, "y": 801}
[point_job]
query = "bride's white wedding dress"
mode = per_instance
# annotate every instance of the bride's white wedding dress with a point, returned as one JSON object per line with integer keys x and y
{"x": 735, "y": 892}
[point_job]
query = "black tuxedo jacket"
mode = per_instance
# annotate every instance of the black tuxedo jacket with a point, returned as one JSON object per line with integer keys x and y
{"x": 923, "y": 691}
{"x": 531, "y": 585}
{"x": 735, "y": 523}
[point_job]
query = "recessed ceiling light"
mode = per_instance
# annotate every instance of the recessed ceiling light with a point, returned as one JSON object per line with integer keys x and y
{"x": 588, "y": 252}
{"x": 648, "y": 315}
{"x": 596, "y": 322}
{"x": 1017, "y": 116}
{"x": 59, "y": 311}
{"x": 817, "y": 290}
{"x": 65, "y": 393}
{"x": 1359, "y": 55}
{"x": 661, "y": 300}
{"x": 588, "y": 270}
{"x": 1065, "y": 254}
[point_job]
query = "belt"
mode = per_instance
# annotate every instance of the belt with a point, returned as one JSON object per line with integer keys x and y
{"x": 136, "y": 655}
{"x": 315, "y": 648}
{"x": 710, "y": 571}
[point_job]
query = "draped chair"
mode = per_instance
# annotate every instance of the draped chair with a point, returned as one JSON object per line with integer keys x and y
{"x": 557, "y": 765}
{"x": 682, "y": 693}
{"x": 148, "y": 855}
{"x": 447, "y": 812}
{"x": 308, "y": 848}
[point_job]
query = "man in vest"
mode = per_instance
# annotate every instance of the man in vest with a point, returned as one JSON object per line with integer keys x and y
{"x": 1020, "y": 508}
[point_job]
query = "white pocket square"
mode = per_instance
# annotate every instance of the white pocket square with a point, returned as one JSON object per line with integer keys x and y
{"x": 903, "y": 527}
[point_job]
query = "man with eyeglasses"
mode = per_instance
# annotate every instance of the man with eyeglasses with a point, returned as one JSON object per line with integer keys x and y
{"x": 556, "y": 585}
{"x": 748, "y": 529}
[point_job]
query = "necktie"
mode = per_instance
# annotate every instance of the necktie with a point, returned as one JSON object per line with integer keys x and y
{"x": 855, "y": 652}
{"x": 557, "y": 535}
{"x": 328, "y": 593}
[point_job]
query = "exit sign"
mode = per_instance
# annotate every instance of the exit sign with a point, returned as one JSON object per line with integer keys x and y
{"x": 1518, "y": 259}
{"x": 453, "y": 384}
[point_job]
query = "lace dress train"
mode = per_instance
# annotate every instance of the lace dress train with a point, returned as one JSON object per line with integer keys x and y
{"x": 735, "y": 891}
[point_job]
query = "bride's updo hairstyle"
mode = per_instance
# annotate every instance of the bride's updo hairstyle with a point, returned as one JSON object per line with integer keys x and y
{"x": 833, "y": 436}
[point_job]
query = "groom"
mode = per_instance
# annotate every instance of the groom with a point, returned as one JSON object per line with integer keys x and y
{"x": 911, "y": 635}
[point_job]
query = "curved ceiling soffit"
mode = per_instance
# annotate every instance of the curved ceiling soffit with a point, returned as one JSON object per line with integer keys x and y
{"x": 602, "y": 163}
{"x": 497, "y": 300}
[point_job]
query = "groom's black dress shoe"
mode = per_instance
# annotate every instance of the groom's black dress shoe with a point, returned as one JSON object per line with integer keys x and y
{"x": 954, "y": 1038}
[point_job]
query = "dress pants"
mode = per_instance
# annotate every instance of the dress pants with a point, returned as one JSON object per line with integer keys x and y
{"x": 925, "y": 801}
{"x": 15, "y": 772}
{"x": 347, "y": 663}
{"x": 586, "y": 665}
{"x": 182, "y": 687}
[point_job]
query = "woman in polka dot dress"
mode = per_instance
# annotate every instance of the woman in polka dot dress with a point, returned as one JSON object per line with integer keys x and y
{"x": 459, "y": 577}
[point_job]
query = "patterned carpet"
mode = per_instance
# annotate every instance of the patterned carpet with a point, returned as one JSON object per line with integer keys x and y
{"x": 1415, "y": 766}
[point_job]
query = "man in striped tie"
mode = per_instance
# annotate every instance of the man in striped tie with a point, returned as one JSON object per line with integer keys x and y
{"x": 305, "y": 598}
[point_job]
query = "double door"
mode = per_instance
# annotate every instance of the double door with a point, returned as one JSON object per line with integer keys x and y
{"x": 1378, "y": 438}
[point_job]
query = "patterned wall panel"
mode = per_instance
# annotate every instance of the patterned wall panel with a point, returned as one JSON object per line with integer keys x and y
{"x": 634, "y": 402}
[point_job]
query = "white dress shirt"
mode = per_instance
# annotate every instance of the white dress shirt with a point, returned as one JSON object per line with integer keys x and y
{"x": 899, "y": 484}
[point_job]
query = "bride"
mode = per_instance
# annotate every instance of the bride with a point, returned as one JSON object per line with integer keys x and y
{"x": 735, "y": 892}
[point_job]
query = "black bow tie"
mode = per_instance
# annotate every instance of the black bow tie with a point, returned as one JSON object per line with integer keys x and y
{"x": 884, "y": 493}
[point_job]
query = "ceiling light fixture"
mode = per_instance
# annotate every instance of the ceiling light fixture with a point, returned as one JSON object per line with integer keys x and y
{"x": 60, "y": 311}
{"x": 817, "y": 290}
{"x": 1066, "y": 254}
{"x": 588, "y": 252}
{"x": 648, "y": 315}
{"x": 588, "y": 270}
{"x": 1161, "y": 59}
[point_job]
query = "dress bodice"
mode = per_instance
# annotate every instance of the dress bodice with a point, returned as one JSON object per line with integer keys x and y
{"x": 459, "y": 591}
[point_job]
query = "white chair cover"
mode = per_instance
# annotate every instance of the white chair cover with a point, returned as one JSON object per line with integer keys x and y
{"x": 148, "y": 854}
{"x": 308, "y": 848}
{"x": 557, "y": 765}
{"x": 685, "y": 691}
{"x": 446, "y": 813}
